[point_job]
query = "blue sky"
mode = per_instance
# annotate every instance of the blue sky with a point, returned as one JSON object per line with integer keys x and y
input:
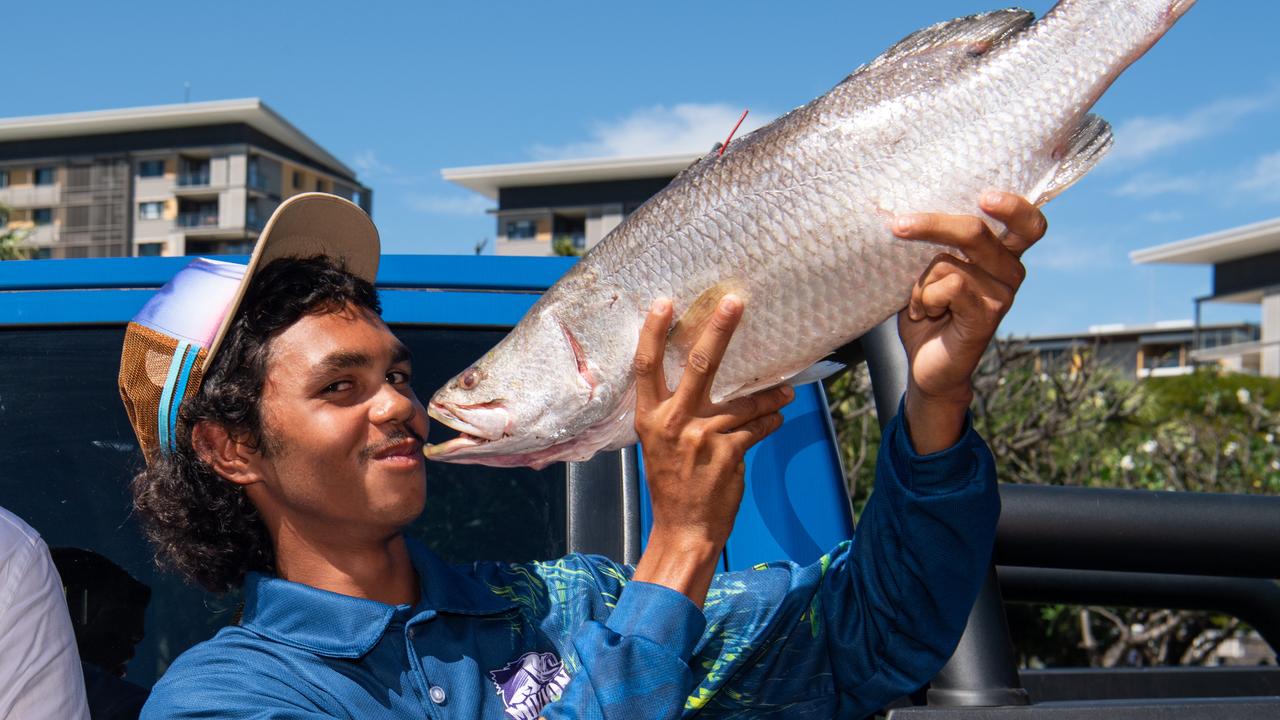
{"x": 401, "y": 90}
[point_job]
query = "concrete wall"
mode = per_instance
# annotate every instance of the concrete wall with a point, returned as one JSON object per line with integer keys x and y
{"x": 231, "y": 207}
{"x": 1270, "y": 335}
{"x": 601, "y": 220}
{"x": 531, "y": 248}
{"x": 31, "y": 196}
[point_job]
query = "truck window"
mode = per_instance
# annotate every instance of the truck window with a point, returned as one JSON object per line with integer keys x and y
{"x": 67, "y": 454}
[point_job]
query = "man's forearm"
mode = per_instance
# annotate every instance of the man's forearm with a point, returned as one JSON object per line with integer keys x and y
{"x": 935, "y": 424}
{"x": 683, "y": 564}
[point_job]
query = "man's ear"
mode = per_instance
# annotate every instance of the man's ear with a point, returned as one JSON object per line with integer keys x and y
{"x": 229, "y": 456}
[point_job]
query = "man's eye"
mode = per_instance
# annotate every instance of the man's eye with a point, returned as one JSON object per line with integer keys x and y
{"x": 337, "y": 387}
{"x": 397, "y": 377}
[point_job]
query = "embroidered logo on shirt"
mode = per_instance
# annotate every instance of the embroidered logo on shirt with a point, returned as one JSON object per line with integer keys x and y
{"x": 528, "y": 683}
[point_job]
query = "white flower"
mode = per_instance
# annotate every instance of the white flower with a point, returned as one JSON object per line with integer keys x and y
{"x": 1044, "y": 377}
{"x": 1271, "y": 437}
{"x": 1000, "y": 381}
{"x": 1230, "y": 448}
{"x": 1150, "y": 446}
{"x": 1126, "y": 463}
{"x": 1243, "y": 396}
{"x": 1275, "y": 464}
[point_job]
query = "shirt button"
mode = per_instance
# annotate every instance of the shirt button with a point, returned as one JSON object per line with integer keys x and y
{"x": 437, "y": 694}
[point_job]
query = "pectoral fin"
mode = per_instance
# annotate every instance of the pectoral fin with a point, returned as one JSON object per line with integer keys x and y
{"x": 687, "y": 329}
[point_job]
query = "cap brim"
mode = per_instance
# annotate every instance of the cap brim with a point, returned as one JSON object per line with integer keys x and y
{"x": 308, "y": 225}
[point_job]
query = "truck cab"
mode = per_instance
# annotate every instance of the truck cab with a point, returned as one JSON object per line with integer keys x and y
{"x": 67, "y": 454}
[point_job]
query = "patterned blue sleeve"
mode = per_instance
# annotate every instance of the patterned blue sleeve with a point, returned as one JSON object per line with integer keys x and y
{"x": 871, "y": 621}
{"x": 636, "y": 663}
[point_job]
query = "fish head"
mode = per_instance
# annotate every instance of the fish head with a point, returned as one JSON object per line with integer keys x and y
{"x": 523, "y": 402}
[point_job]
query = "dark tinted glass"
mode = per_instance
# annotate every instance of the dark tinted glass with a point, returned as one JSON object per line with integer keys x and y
{"x": 151, "y": 168}
{"x": 67, "y": 453}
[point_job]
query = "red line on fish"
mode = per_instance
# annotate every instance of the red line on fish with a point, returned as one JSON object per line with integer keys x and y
{"x": 734, "y": 130}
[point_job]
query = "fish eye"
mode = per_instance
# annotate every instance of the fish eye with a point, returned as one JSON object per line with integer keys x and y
{"x": 469, "y": 379}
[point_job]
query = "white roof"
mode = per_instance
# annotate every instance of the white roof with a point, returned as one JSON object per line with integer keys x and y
{"x": 1122, "y": 329}
{"x": 487, "y": 179}
{"x": 1232, "y": 244}
{"x": 251, "y": 111}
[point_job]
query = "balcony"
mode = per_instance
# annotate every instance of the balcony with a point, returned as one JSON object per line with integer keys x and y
{"x": 199, "y": 219}
{"x": 194, "y": 178}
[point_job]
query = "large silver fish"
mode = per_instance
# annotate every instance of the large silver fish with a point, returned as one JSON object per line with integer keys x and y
{"x": 794, "y": 219}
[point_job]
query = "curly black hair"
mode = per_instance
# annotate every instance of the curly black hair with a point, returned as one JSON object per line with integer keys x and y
{"x": 201, "y": 524}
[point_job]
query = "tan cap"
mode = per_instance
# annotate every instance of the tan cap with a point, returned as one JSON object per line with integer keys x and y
{"x": 307, "y": 225}
{"x": 170, "y": 343}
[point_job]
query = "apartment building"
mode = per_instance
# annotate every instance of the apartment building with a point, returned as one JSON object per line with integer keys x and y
{"x": 1160, "y": 349}
{"x": 565, "y": 206}
{"x": 1246, "y": 271}
{"x": 197, "y": 178}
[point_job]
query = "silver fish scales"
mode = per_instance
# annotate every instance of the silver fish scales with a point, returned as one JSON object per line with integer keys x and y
{"x": 794, "y": 218}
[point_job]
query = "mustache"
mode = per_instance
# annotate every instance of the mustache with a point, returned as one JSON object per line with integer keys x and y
{"x": 395, "y": 437}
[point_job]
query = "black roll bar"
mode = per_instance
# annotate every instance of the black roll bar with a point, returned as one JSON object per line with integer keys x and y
{"x": 1139, "y": 530}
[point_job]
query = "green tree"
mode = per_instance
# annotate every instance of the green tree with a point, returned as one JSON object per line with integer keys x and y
{"x": 563, "y": 245}
{"x": 1082, "y": 423}
{"x": 13, "y": 245}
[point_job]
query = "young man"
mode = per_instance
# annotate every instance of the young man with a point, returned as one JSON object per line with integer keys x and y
{"x": 284, "y": 455}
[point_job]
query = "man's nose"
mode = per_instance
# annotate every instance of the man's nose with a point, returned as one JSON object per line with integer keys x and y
{"x": 392, "y": 405}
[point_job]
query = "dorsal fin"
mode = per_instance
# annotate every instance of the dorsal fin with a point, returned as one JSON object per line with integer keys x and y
{"x": 974, "y": 35}
{"x": 1077, "y": 156}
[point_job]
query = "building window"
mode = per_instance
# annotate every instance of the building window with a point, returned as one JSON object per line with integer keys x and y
{"x": 522, "y": 230}
{"x": 45, "y": 175}
{"x": 319, "y": 185}
{"x": 193, "y": 171}
{"x": 151, "y": 168}
{"x": 42, "y": 216}
{"x": 4, "y": 218}
{"x": 150, "y": 249}
{"x": 256, "y": 179}
{"x": 4, "y": 178}
{"x": 43, "y": 253}
{"x": 150, "y": 210}
{"x": 297, "y": 179}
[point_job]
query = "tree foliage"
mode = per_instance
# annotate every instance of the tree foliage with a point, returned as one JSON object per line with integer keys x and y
{"x": 13, "y": 244}
{"x": 1083, "y": 423}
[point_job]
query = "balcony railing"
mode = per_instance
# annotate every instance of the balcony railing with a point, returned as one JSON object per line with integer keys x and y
{"x": 197, "y": 219}
{"x": 193, "y": 178}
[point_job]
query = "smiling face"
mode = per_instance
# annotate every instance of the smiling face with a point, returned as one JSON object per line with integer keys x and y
{"x": 341, "y": 449}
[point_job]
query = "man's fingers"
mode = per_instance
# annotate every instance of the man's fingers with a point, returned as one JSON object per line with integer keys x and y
{"x": 753, "y": 432}
{"x": 743, "y": 410}
{"x": 1025, "y": 222}
{"x": 708, "y": 351}
{"x": 970, "y": 235}
{"x": 651, "y": 384}
{"x": 963, "y": 289}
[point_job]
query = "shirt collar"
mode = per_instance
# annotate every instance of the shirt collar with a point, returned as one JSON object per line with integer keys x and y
{"x": 336, "y": 625}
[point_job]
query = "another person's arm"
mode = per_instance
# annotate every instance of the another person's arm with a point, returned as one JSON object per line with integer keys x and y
{"x": 40, "y": 674}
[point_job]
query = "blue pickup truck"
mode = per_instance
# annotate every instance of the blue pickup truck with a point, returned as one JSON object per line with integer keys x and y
{"x": 67, "y": 453}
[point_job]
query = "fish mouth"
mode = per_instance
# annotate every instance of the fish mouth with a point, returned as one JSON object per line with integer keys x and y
{"x": 489, "y": 422}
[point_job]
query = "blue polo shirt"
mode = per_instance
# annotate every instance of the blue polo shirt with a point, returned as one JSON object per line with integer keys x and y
{"x": 575, "y": 638}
